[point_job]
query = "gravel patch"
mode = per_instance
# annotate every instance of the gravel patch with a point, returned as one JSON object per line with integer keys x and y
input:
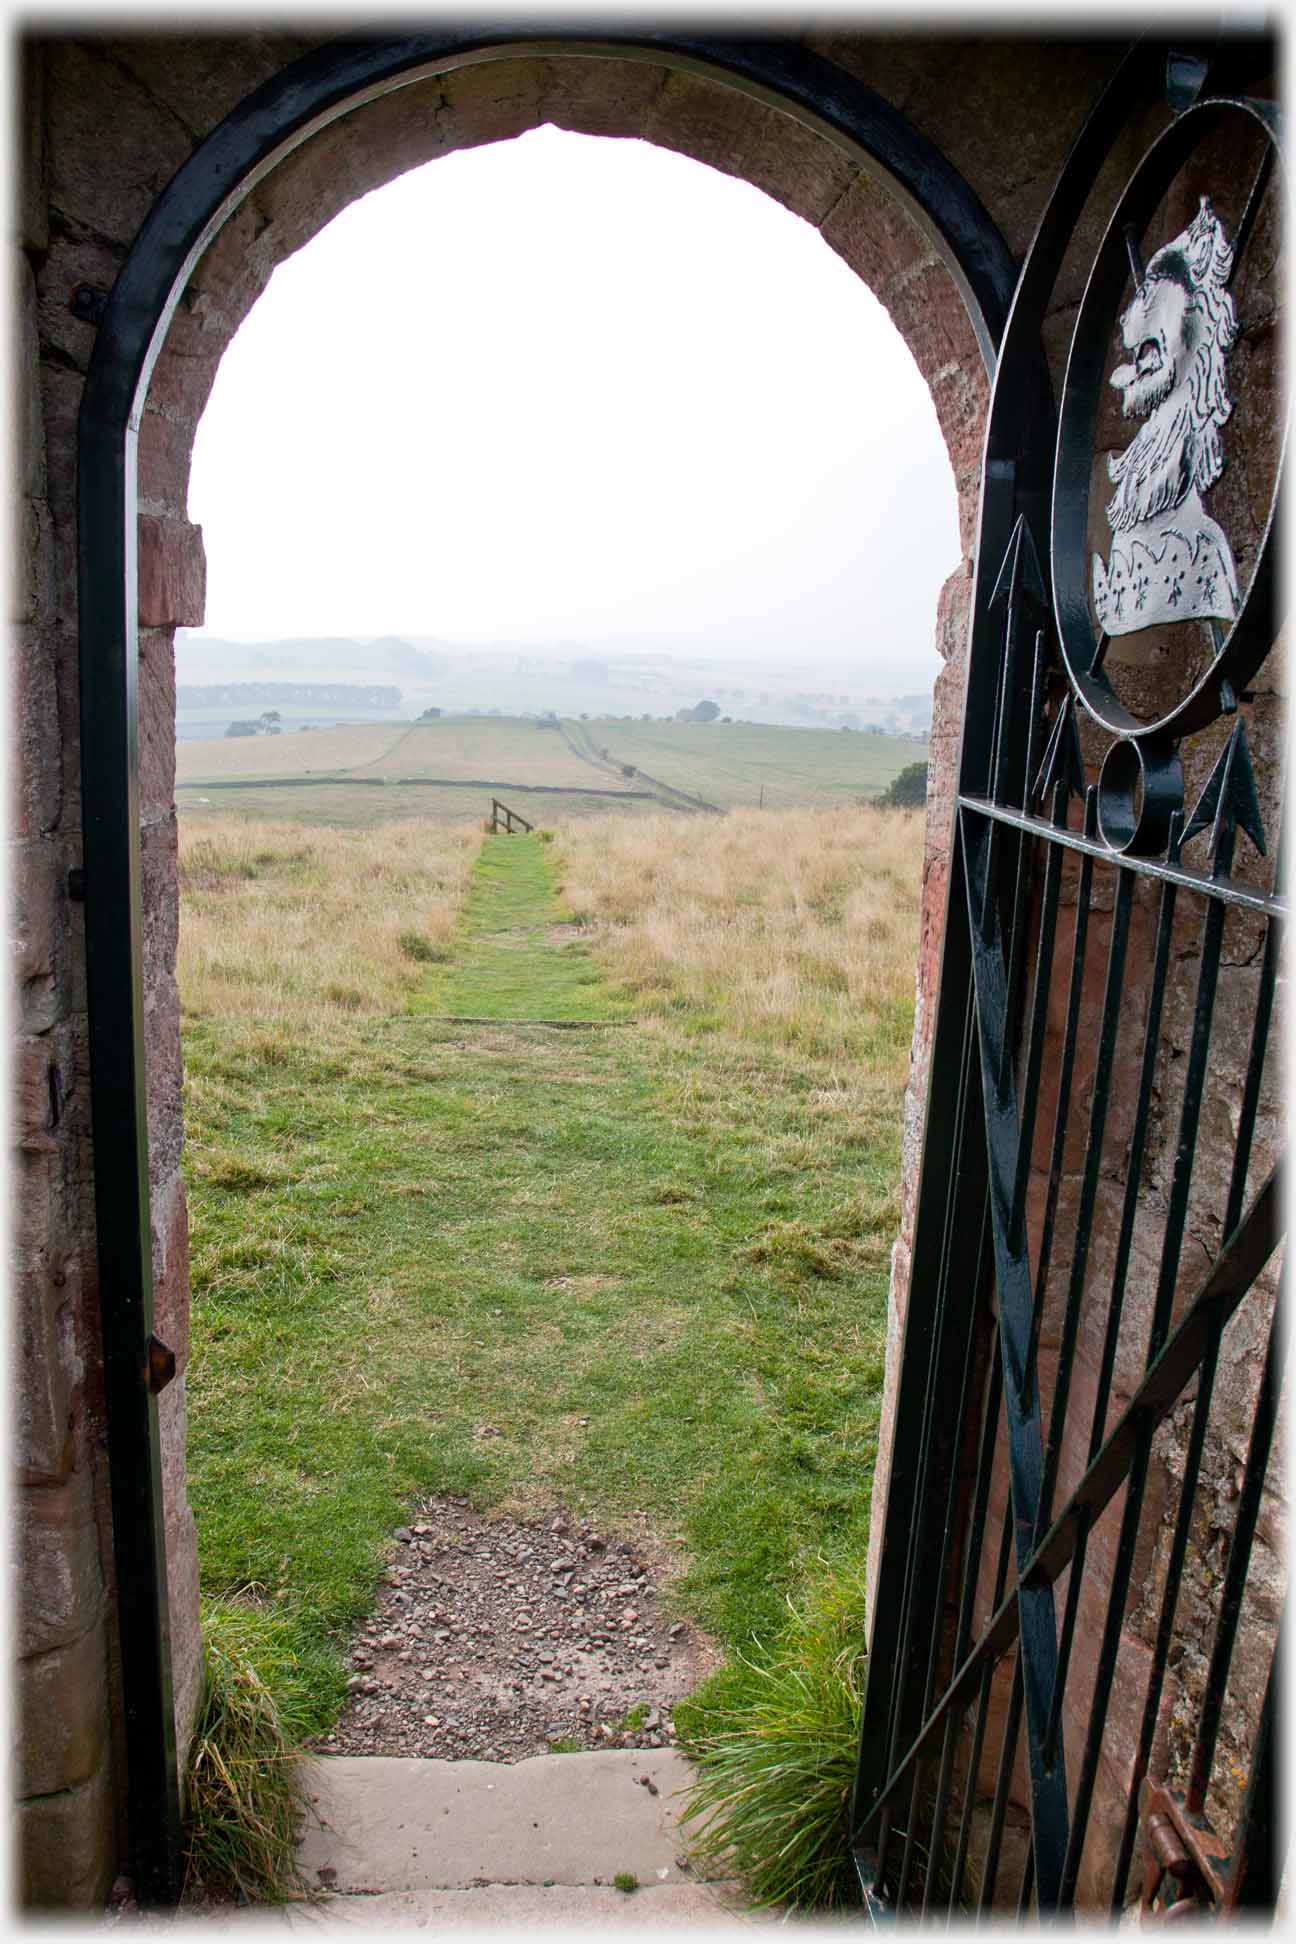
{"x": 497, "y": 1638}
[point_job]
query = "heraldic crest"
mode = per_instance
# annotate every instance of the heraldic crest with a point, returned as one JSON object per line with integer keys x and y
{"x": 1169, "y": 560}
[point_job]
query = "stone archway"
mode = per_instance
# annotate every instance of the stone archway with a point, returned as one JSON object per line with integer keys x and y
{"x": 256, "y": 219}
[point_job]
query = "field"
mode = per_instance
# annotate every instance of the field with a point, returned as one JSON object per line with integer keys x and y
{"x": 359, "y": 774}
{"x": 753, "y": 763}
{"x": 635, "y": 1265}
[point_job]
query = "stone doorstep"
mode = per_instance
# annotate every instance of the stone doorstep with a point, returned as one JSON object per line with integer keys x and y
{"x": 403, "y": 1842}
{"x": 400, "y": 1823}
{"x": 400, "y": 1841}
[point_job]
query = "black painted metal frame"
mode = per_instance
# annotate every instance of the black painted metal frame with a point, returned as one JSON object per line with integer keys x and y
{"x": 257, "y": 135}
{"x": 968, "y": 1384}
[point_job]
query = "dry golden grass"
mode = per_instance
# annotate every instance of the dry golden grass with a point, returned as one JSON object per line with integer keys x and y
{"x": 288, "y": 924}
{"x": 788, "y": 928}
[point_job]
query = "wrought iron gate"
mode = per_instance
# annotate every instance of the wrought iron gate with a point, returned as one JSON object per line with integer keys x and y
{"x": 1076, "y": 1616}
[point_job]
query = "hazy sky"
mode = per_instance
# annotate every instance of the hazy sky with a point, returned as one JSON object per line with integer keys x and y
{"x": 564, "y": 388}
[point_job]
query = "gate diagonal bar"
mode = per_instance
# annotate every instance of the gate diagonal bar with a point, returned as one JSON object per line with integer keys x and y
{"x": 1232, "y": 1277}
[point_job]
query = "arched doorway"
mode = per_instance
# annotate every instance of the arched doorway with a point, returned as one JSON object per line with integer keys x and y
{"x": 321, "y": 133}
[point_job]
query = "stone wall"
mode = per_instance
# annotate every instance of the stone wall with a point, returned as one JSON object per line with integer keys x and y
{"x": 105, "y": 121}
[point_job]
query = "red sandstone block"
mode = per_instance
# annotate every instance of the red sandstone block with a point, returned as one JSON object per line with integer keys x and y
{"x": 309, "y": 187}
{"x": 162, "y": 1057}
{"x": 874, "y": 235}
{"x": 172, "y": 572}
{"x": 491, "y": 103}
{"x": 45, "y": 1288}
{"x": 36, "y": 785}
{"x": 599, "y": 97}
{"x": 36, "y": 892}
{"x": 800, "y": 169}
{"x": 182, "y": 379}
{"x": 62, "y": 1715}
{"x": 157, "y": 722}
{"x": 170, "y": 1242}
{"x": 39, "y": 1080}
{"x": 164, "y": 453}
{"x": 66, "y": 1845}
{"x": 713, "y": 125}
{"x": 61, "y": 1593}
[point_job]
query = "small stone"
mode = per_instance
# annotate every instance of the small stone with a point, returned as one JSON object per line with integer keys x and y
{"x": 404, "y": 1534}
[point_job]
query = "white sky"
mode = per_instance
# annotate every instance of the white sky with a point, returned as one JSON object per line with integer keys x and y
{"x": 564, "y": 388}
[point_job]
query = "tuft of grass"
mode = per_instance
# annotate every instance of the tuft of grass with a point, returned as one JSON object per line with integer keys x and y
{"x": 626, "y": 1881}
{"x": 564, "y": 1745}
{"x": 419, "y": 947}
{"x": 245, "y": 1787}
{"x": 776, "y": 1741}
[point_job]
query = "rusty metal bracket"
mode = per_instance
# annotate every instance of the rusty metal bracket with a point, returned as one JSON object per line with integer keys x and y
{"x": 1188, "y": 1870}
{"x": 161, "y": 1364}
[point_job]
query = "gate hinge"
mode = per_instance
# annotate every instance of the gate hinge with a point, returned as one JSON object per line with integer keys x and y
{"x": 1187, "y": 1866}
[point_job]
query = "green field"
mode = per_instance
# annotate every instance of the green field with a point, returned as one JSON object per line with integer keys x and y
{"x": 733, "y": 763}
{"x": 358, "y": 775}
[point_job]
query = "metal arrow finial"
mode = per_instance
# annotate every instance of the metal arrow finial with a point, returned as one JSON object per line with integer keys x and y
{"x": 1020, "y": 572}
{"x": 1229, "y": 800}
{"x": 1063, "y": 762}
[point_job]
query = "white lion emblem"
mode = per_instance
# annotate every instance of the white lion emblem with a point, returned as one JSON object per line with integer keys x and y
{"x": 1169, "y": 560}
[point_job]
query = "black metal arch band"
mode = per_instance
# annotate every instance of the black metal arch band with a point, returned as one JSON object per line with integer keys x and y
{"x": 1251, "y": 635}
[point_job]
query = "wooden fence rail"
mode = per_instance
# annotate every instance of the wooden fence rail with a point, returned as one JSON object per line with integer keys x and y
{"x": 511, "y": 818}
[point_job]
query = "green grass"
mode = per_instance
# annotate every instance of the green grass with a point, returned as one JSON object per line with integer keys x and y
{"x": 776, "y": 1739}
{"x": 637, "y": 1273}
{"x": 245, "y": 1788}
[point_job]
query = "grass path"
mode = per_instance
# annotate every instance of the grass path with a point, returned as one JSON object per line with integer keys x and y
{"x": 513, "y": 960}
{"x": 641, "y": 1275}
